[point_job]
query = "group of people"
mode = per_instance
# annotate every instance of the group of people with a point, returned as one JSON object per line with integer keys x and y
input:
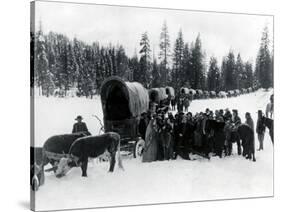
{"x": 167, "y": 136}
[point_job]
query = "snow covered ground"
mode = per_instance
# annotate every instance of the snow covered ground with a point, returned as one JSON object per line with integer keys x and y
{"x": 156, "y": 182}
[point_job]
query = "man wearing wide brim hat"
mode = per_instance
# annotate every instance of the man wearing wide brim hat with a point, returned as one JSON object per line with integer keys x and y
{"x": 79, "y": 126}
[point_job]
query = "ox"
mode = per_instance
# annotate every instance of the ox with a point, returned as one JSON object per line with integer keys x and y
{"x": 37, "y": 177}
{"x": 55, "y": 146}
{"x": 90, "y": 146}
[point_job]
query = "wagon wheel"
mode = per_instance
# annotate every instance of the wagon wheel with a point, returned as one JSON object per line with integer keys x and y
{"x": 138, "y": 148}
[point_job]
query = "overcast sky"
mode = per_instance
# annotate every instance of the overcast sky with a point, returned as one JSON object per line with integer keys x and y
{"x": 219, "y": 32}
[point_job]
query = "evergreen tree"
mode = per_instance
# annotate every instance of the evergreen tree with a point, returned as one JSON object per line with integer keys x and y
{"x": 249, "y": 75}
{"x": 43, "y": 75}
{"x": 239, "y": 73}
{"x": 213, "y": 79}
{"x": 263, "y": 62}
{"x": 177, "y": 71}
{"x": 197, "y": 66}
{"x": 156, "y": 77}
{"x": 164, "y": 54}
{"x": 134, "y": 66}
{"x": 145, "y": 66}
{"x": 121, "y": 62}
{"x": 187, "y": 68}
{"x": 228, "y": 70}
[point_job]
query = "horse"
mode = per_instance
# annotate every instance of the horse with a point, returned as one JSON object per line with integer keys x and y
{"x": 269, "y": 123}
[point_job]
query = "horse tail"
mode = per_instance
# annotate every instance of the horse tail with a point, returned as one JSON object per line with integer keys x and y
{"x": 120, "y": 164}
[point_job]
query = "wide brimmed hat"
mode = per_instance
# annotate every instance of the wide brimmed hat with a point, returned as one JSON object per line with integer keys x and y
{"x": 79, "y": 117}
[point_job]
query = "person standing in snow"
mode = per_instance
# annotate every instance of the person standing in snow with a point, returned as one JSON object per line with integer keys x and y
{"x": 228, "y": 142}
{"x": 188, "y": 135}
{"x": 260, "y": 130}
{"x": 236, "y": 121}
{"x": 269, "y": 108}
{"x": 249, "y": 120}
{"x": 143, "y": 125}
{"x": 79, "y": 126}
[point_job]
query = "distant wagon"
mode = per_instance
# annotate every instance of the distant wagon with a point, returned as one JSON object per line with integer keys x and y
{"x": 206, "y": 94}
{"x": 199, "y": 94}
{"x": 230, "y": 93}
{"x": 237, "y": 92}
{"x": 170, "y": 92}
{"x": 250, "y": 89}
{"x": 157, "y": 95}
{"x": 184, "y": 90}
{"x": 222, "y": 94}
{"x": 244, "y": 90}
{"x": 213, "y": 94}
{"x": 122, "y": 105}
{"x": 191, "y": 92}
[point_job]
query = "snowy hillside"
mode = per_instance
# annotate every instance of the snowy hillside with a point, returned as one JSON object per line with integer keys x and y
{"x": 156, "y": 182}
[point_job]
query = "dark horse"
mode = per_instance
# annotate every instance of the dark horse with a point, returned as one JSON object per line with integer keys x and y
{"x": 91, "y": 146}
{"x": 246, "y": 134}
{"x": 269, "y": 123}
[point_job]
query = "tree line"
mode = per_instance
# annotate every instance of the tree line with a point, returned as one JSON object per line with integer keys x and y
{"x": 59, "y": 63}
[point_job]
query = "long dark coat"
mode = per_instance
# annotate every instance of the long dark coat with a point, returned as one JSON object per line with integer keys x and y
{"x": 151, "y": 143}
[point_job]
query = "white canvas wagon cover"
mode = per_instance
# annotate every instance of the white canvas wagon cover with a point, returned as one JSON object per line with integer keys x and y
{"x": 123, "y": 100}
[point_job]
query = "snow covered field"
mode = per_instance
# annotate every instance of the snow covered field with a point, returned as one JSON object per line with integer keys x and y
{"x": 156, "y": 182}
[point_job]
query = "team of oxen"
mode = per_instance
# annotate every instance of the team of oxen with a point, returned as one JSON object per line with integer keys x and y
{"x": 73, "y": 150}
{"x": 66, "y": 151}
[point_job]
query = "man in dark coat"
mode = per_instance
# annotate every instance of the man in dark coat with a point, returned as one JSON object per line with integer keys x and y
{"x": 143, "y": 125}
{"x": 228, "y": 142}
{"x": 260, "y": 130}
{"x": 188, "y": 135}
{"x": 227, "y": 115}
{"x": 236, "y": 121}
{"x": 79, "y": 126}
{"x": 249, "y": 120}
{"x": 180, "y": 133}
{"x": 219, "y": 136}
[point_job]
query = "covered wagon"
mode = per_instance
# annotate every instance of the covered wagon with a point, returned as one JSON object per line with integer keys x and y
{"x": 122, "y": 105}
{"x": 157, "y": 95}
{"x": 199, "y": 94}
{"x": 170, "y": 92}
{"x": 184, "y": 90}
